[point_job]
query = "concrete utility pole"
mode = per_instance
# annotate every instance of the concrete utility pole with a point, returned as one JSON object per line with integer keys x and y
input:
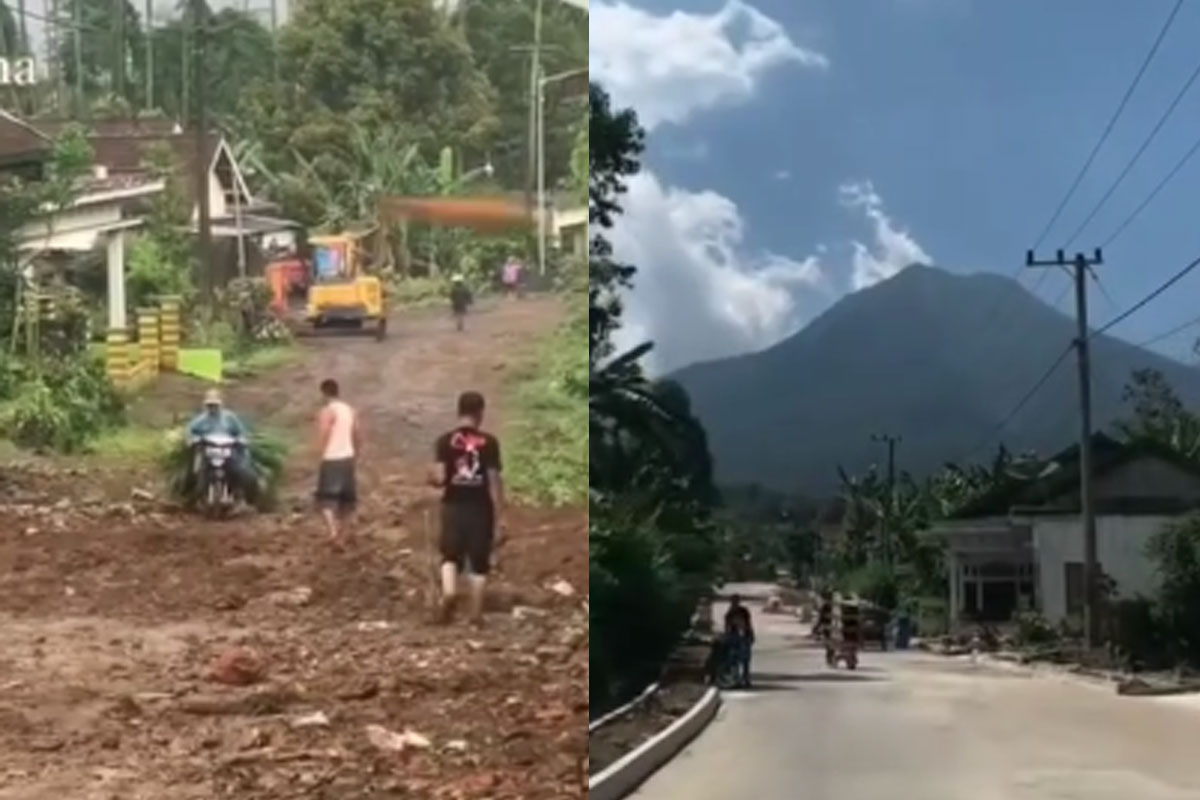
{"x": 149, "y": 54}
{"x": 535, "y": 76}
{"x": 118, "y": 65}
{"x": 200, "y": 36}
{"x": 1079, "y": 267}
{"x": 77, "y": 53}
{"x": 891, "y": 442}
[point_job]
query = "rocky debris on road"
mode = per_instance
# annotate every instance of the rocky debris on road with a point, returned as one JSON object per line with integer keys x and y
{"x": 237, "y": 667}
{"x": 390, "y": 741}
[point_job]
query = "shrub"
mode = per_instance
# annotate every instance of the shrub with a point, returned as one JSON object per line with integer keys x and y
{"x": 1034, "y": 629}
{"x": 638, "y": 610}
{"x": 63, "y": 407}
{"x": 1175, "y": 551}
{"x": 152, "y": 272}
{"x": 875, "y": 583}
{"x": 1138, "y": 633}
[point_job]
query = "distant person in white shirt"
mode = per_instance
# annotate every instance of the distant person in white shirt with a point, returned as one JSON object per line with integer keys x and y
{"x": 339, "y": 441}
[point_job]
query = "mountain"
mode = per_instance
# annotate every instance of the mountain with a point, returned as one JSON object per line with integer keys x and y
{"x": 924, "y": 355}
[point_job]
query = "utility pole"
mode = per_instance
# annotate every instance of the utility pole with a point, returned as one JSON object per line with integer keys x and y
{"x": 535, "y": 76}
{"x": 1079, "y": 267}
{"x": 891, "y": 442}
{"x": 22, "y": 27}
{"x": 275, "y": 42}
{"x": 118, "y": 54}
{"x": 199, "y": 28}
{"x": 149, "y": 54}
{"x": 77, "y": 48}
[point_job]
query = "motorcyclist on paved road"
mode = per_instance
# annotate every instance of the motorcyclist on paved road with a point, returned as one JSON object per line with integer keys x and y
{"x": 215, "y": 419}
{"x": 739, "y": 632}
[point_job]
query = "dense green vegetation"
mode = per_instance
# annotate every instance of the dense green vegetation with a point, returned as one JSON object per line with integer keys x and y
{"x": 547, "y": 439}
{"x": 348, "y": 101}
{"x": 653, "y": 536}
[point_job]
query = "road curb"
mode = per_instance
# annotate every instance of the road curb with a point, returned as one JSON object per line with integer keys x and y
{"x": 617, "y": 713}
{"x": 619, "y": 779}
{"x": 1078, "y": 676}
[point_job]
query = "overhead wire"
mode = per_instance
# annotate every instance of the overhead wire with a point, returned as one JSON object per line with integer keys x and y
{"x": 1070, "y": 193}
{"x": 1178, "y": 276}
{"x": 1108, "y": 129}
{"x": 1024, "y": 401}
{"x": 1179, "y": 165}
{"x": 991, "y": 316}
{"x": 1180, "y": 328}
{"x": 1145, "y": 145}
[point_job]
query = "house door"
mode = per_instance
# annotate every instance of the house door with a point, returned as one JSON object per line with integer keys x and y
{"x": 999, "y": 601}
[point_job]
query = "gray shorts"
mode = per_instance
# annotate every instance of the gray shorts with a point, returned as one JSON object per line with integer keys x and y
{"x": 336, "y": 485}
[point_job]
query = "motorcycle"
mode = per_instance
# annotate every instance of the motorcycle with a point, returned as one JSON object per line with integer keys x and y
{"x": 218, "y": 493}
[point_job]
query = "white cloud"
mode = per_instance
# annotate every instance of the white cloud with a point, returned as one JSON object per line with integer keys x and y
{"x": 669, "y": 67}
{"x": 700, "y": 292}
{"x": 893, "y": 248}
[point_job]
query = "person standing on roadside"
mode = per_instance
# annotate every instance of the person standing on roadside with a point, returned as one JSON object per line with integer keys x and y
{"x": 467, "y": 469}
{"x": 460, "y": 301}
{"x": 511, "y": 277}
{"x": 739, "y": 631}
{"x": 339, "y": 441}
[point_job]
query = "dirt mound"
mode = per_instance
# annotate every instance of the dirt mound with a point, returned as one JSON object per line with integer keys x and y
{"x": 117, "y": 613}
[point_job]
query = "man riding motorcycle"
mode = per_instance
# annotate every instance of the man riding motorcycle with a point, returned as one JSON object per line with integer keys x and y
{"x": 216, "y": 420}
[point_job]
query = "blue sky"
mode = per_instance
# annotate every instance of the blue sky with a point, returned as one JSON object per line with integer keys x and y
{"x": 800, "y": 149}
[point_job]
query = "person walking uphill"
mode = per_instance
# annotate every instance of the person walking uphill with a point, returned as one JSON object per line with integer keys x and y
{"x": 467, "y": 470}
{"x": 339, "y": 441}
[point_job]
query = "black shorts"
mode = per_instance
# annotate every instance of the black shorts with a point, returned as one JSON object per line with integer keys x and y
{"x": 336, "y": 485}
{"x": 467, "y": 534}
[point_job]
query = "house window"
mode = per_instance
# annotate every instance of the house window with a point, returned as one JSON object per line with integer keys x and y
{"x": 1073, "y": 581}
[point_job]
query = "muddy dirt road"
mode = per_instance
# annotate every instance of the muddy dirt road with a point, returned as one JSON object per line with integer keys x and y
{"x": 112, "y": 612}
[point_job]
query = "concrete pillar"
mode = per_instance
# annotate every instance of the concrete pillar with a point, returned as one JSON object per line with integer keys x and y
{"x": 116, "y": 357}
{"x": 148, "y": 340}
{"x": 170, "y": 325}
{"x": 116, "y": 281}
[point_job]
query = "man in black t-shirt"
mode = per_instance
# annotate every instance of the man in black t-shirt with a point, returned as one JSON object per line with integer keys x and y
{"x": 467, "y": 469}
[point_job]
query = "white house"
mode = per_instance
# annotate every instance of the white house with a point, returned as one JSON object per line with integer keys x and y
{"x": 99, "y": 216}
{"x": 569, "y": 229}
{"x": 124, "y": 149}
{"x": 1021, "y": 546}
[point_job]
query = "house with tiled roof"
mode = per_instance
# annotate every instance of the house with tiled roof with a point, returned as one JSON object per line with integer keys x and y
{"x": 1020, "y": 546}
{"x": 112, "y": 200}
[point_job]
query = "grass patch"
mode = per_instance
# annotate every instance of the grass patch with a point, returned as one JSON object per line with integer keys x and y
{"x": 547, "y": 432}
{"x": 261, "y": 359}
{"x": 131, "y": 443}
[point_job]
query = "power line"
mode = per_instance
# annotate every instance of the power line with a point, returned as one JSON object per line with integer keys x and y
{"x": 1168, "y": 334}
{"x": 1087, "y": 164}
{"x": 1029, "y": 395}
{"x": 1111, "y": 123}
{"x": 1178, "y": 276}
{"x": 1153, "y": 194}
{"x": 1136, "y": 156}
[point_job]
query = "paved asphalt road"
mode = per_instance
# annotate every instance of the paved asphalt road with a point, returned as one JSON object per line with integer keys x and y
{"x": 910, "y": 726}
